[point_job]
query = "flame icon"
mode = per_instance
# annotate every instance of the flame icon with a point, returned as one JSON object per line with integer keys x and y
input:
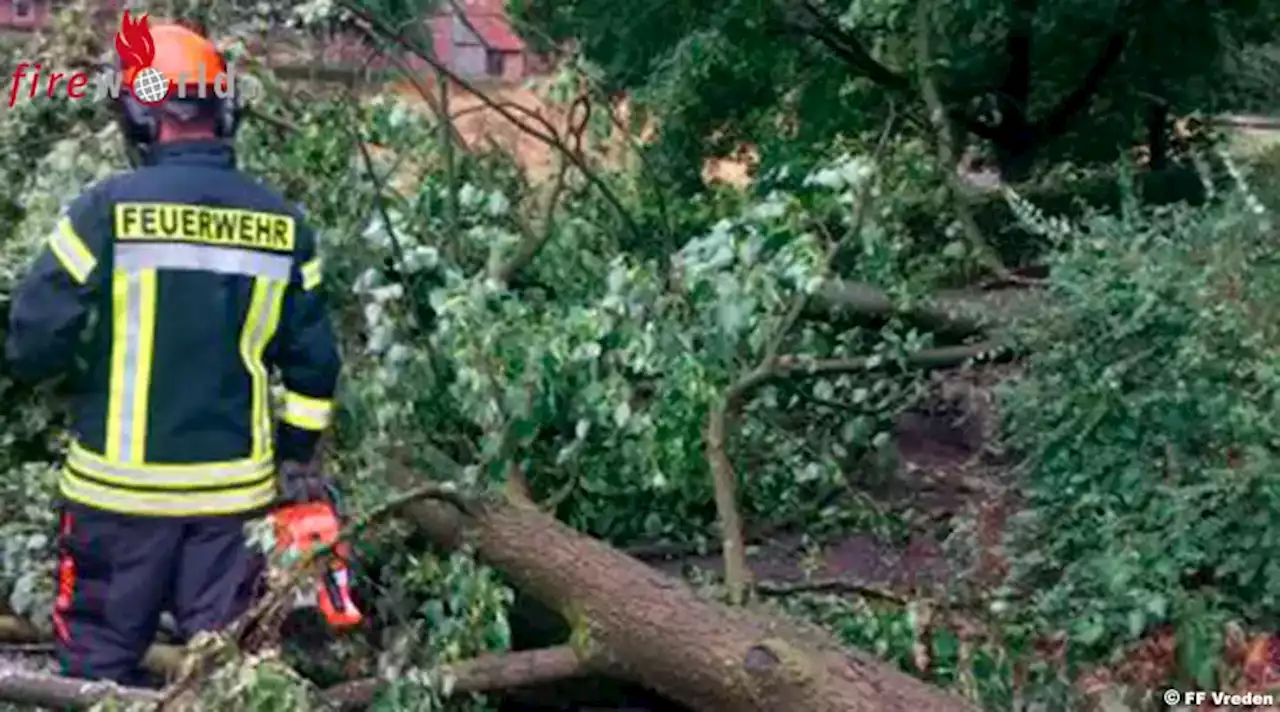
{"x": 134, "y": 43}
{"x": 137, "y": 50}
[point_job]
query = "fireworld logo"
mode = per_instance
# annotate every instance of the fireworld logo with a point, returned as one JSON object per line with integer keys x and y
{"x": 136, "y": 50}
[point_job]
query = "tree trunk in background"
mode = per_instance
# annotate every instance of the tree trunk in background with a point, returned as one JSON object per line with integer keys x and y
{"x": 1015, "y": 143}
{"x": 1158, "y": 135}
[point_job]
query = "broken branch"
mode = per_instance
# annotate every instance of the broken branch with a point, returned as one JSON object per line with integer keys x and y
{"x": 945, "y": 144}
{"x": 485, "y": 673}
{"x": 374, "y": 28}
{"x": 16, "y": 630}
{"x": 724, "y": 479}
{"x": 30, "y": 688}
{"x": 836, "y": 586}
{"x": 272, "y": 605}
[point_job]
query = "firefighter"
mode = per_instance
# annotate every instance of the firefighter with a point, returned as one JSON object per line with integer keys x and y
{"x": 167, "y": 295}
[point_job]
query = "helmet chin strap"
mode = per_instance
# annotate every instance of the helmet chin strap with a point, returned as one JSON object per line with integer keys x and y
{"x": 140, "y": 126}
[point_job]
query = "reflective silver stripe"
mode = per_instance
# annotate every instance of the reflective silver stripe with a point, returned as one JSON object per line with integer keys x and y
{"x": 132, "y": 331}
{"x": 131, "y": 365}
{"x": 172, "y": 504}
{"x": 74, "y": 256}
{"x": 207, "y": 258}
{"x": 214, "y": 474}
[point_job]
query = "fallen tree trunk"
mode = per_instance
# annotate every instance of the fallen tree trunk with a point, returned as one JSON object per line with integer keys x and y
{"x": 483, "y": 674}
{"x": 31, "y": 688}
{"x": 863, "y": 302}
{"x": 16, "y": 630}
{"x": 478, "y": 675}
{"x": 953, "y": 313}
{"x": 161, "y": 659}
{"x": 633, "y": 623}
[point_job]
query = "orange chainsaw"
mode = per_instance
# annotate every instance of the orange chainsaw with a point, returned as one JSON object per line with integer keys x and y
{"x": 307, "y": 526}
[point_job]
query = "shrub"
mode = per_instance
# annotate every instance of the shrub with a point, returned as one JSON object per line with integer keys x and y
{"x": 1148, "y": 419}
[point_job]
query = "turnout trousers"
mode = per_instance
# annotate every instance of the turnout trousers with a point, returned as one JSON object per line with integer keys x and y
{"x": 116, "y": 574}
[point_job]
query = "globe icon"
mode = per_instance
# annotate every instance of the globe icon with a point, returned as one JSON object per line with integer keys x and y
{"x": 150, "y": 86}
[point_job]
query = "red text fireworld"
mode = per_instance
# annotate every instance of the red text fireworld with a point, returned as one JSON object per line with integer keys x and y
{"x": 74, "y": 85}
{"x": 74, "y": 89}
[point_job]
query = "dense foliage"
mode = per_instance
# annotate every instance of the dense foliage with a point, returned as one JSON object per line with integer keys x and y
{"x": 1073, "y": 79}
{"x": 571, "y": 338}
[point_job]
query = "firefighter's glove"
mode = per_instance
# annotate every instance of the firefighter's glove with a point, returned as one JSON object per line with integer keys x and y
{"x": 303, "y": 482}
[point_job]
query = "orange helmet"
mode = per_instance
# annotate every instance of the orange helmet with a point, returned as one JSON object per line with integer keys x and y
{"x": 185, "y": 58}
{"x": 175, "y": 72}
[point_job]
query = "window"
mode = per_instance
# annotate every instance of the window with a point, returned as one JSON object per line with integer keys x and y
{"x": 22, "y": 9}
{"x": 493, "y": 63}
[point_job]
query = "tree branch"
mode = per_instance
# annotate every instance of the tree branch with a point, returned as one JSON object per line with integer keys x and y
{"x": 724, "y": 479}
{"x": 44, "y": 690}
{"x": 485, "y": 673}
{"x": 270, "y": 606}
{"x": 373, "y": 27}
{"x": 945, "y": 144}
{"x": 532, "y": 243}
{"x": 798, "y": 366}
{"x": 1059, "y": 118}
{"x": 1056, "y": 121}
{"x": 13, "y": 629}
{"x": 847, "y": 47}
{"x": 830, "y": 585}
{"x": 837, "y": 297}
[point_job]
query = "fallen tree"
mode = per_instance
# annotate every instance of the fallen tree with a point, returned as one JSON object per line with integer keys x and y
{"x": 31, "y": 688}
{"x": 483, "y": 674}
{"x": 631, "y": 622}
{"x": 628, "y": 621}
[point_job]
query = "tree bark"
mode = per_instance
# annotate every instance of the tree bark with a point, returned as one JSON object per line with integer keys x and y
{"x": 634, "y": 623}
{"x": 1016, "y": 144}
{"x": 483, "y": 674}
{"x": 30, "y": 688}
{"x": 486, "y": 673}
{"x": 1158, "y": 135}
{"x": 863, "y": 302}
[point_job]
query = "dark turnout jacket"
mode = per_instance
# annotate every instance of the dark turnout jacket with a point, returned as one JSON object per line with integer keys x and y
{"x": 179, "y": 287}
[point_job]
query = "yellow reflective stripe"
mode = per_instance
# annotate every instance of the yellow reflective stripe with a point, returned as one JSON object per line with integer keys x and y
{"x": 132, "y": 347}
{"x": 305, "y": 412}
{"x": 259, "y": 326}
{"x": 171, "y": 504}
{"x": 206, "y": 475}
{"x": 146, "y": 352}
{"x": 311, "y": 274}
{"x": 74, "y": 256}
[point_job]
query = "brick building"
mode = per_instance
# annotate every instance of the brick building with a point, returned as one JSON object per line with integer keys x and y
{"x": 475, "y": 39}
